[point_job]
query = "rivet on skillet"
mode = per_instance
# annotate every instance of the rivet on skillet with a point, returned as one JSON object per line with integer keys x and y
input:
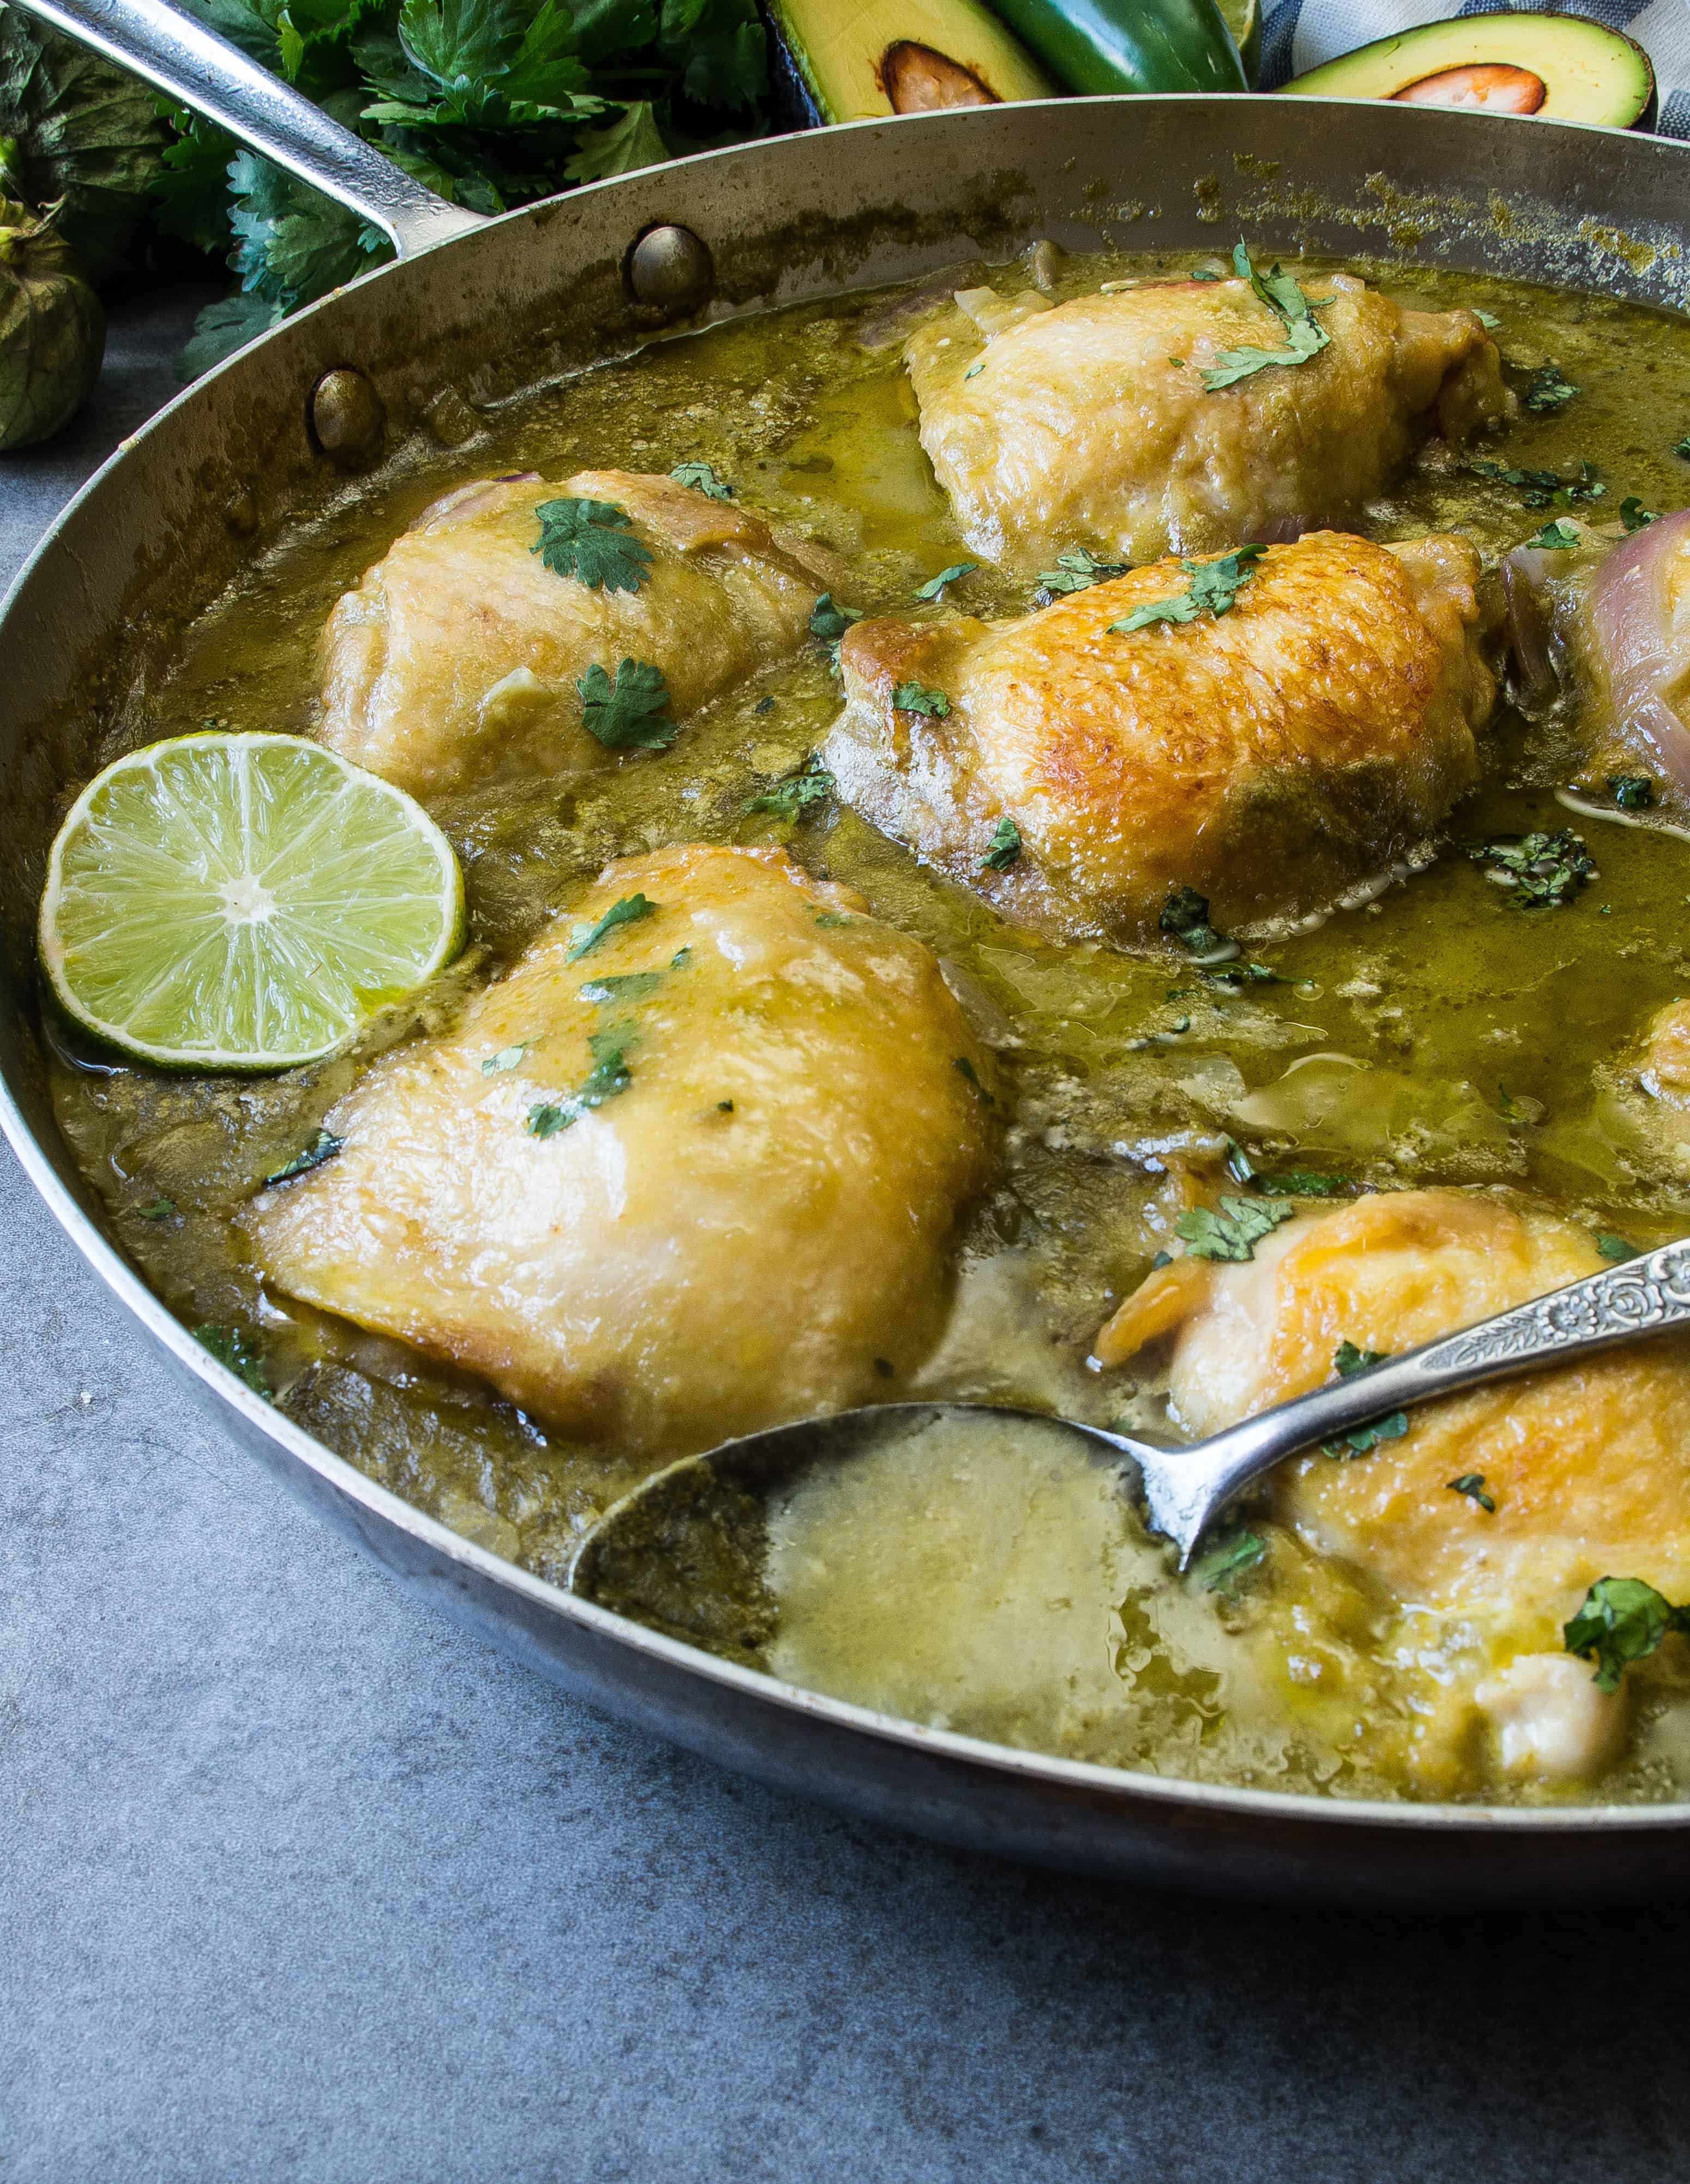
{"x": 348, "y": 421}
{"x": 670, "y": 269}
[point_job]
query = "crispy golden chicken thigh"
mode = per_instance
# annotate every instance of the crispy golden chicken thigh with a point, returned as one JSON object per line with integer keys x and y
{"x": 455, "y": 661}
{"x": 1588, "y": 1465}
{"x": 1089, "y": 424}
{"x": 1271, "y": 757}
{"x": 696, "y": 1179}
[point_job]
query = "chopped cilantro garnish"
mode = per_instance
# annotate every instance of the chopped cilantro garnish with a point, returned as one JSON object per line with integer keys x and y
{"x": 808, "y": 785}
{"x": 592, "y": 541}
{"x": 625, "y": 912}
{"x": 1634, "y": 515}
{"x": 157, "y": 1209}
{"x": 630, "y": 713}
{"x": 1487, "y": 320}
{"x": 1229, "y": 1559}
{"x": 1233, "y": 1232}
{"x": 702, "y": 479}
{"x": 934, "y": 589}
{"x": 1346, "y": 1359}
{"x": 1239, "y": 1165}
{"x": 1185, "y": 917}
{"x": 1614, "y": 1247}
{"x": 966, "y": 1070}
{"x": 975, "y": 370}
{"x": 1682, "y": 446}
{"x": 1622, "y": 1620}
{"x": 1304, "y": 1182}
{"x": 1632, "y": 791}
{"x": 680, "y": 959}
{"x": 1003, "y": 849}
{"x": 1231, "y": 976}
{"x": 1215, "y": 585}
{"x": 1542, "y": 871}
{"x": 1304, "y": 337}
{"x": 1547, "y": 389}
{"x": 1509, "y": 1108}
{"x": 507, "y": 1057}
{"x": 324, "y": 1146}
{"x": 829, "y": 620}
{"x": 1472, "y": 1484}
{"x": 1556, "y": 538}
{"x": 1078, "y": 570}
{"x": 916, "y": 698}
{"x": 609, "y": 1075}
{"x": 828, "y": 918}
{"x": 1206, "y": 273}
{"x": 230, "y": 1347}
{"x": 631, "y": 986}
{"x": 764, "y": 705}
{"x": 1544, "y": 489}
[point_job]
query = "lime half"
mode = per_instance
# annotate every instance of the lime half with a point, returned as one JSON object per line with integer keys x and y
{"x": 243, "y": 902}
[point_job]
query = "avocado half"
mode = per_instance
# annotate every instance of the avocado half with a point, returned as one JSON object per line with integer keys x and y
{"x": 1562, "y": 68}
{"x": 849, "y": 60}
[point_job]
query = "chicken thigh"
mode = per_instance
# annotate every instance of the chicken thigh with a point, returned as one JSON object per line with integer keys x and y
{"x": 690, "y": 1169}
{"x": 1588, "y": 1466}
{"x": 1270, "y": 756}
{"x": 456, "y": 662}
{"x": 1090, "y": 424}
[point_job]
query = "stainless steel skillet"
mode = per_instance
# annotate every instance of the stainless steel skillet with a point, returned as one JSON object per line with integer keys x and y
{"x": 265, "y": 444}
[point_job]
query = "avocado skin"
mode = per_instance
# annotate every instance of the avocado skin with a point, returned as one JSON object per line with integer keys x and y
{"x": 792, "y": 104}
{"x": 1430, "y": 48}
{"x": 1104, "y": 45}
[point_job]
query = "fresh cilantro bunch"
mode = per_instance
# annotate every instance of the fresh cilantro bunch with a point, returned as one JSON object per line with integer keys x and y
{"x": 490, "y": 102}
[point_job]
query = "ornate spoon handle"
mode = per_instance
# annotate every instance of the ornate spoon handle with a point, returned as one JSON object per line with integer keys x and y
{"x": 1186, "y": 1488}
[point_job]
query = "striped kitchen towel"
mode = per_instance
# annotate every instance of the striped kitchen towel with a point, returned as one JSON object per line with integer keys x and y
{"x": 1298, "y": 35}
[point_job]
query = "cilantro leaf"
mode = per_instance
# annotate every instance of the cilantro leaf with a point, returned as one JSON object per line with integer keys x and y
{"x": 627, "y": 911}
{"x": 1233, "y": 1232}
{"x": 1215, "y": 585}
{"x": 1487, "y": 320}
{"x": 631, "y": 986}
{"x": 829, "y": 620}
{"x": 324, "y": 1146}
{"x": 1544, "y": 489}
{"x": 222, "y": 327}
{"x": 593, "y": 541}
{"x": 702, "y": 478}
{"x": 1632, "y": 791}
{"x": 934, "y": 589}
{"x": 1682, "y": 446}
{"x": 1304, "y": 1182}
{"x": 620, "y": 148}
{"x": 1346, "y": 1359}
{"x": 630, "y": 713}
{"x": 1003, "y": 849}
{"x": 916, "y": 698}
{"x": 1185, "y": 917}
{"x": 230, "y": 1347}
{"x": 1078, "y": 570}
{"x": 1556, "y": 538}
{"x": 1230, "y": 978}
{"x": 1472, "y": 1484}
{"x": 1547, "y": 389}
{"x": 1544, "y": 871}
{"x": 1621, "y": 1620}
{"x": 291, "y": 244}
{"x": 1615, "y": 1248}
{"x": 507, "y": 1057}
{"x": 796, "y": 793}
{"x": 1227, "y": 1561}
{"x": 609, "y": 1076}
{"x": 1303, "y": 339}
{"x": 156, "y": 1209}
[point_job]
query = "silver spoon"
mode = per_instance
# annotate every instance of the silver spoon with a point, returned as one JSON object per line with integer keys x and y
{"x": 701, "y": 1511}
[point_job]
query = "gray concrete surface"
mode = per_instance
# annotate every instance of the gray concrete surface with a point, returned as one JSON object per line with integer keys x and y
{"x": 296, "y": 1882}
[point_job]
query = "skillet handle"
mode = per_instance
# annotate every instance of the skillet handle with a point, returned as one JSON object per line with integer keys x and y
{"x": 180, "y": 56}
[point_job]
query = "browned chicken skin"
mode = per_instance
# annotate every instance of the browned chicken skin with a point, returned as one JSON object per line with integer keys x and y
{"x": 1089, "y": 425}
{"x": 455, "y": 663}
{"x": 1270, "y": 757}
{"x": 1588, "y": 1465}
{"x": 733, "y": 1236}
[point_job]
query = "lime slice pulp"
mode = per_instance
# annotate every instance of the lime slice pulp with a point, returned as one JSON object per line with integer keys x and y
{"x": 242, "y": 902}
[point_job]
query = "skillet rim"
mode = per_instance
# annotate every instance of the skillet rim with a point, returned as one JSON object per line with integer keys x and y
{"x": 1119, "y": 1788}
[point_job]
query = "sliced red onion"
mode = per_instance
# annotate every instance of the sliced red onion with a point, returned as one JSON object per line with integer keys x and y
{"x": 1526, "y": 577}
{"x": 1645, "y": 654}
